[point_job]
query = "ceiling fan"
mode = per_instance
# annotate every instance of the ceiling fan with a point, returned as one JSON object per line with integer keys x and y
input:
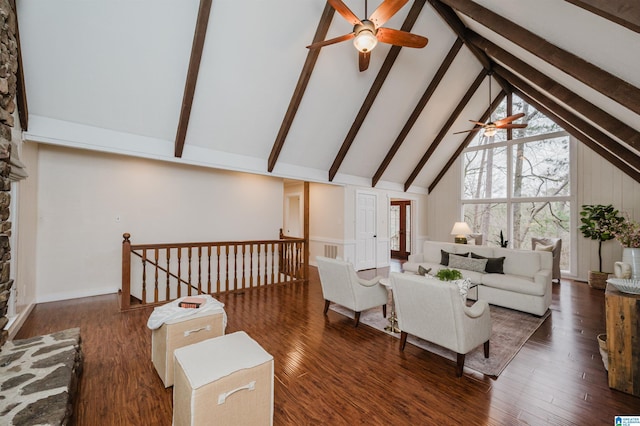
{"x": 368, "y": 32}
{"x": 491, "y": 127}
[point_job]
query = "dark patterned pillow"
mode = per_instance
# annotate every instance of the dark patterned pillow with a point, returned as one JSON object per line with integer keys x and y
{"x": 495, "y": 265}
{"x": 467, "y": 263}
{"x": 444, "y": 257}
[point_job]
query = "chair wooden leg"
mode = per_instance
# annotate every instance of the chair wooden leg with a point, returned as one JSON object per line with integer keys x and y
{"x": 460, "y": 365}
{"x": 486, "y": 349}
{"x": 403, "y": 339}
{"x": 357, "y": 318}
{"x": 326, "y": 306}
{"x": 384, "y": 310}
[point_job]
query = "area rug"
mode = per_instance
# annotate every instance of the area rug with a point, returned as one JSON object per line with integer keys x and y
{"x": 510, "y": 331}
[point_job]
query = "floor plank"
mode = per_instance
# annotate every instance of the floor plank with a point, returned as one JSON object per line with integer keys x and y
{"x": 329, "y": 372}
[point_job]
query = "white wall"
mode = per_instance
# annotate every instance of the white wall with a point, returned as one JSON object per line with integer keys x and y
{"x": 87, "y": 200}
{"x": 25, "y": 234}
{"x": 597, "y": 182}
{"x": 444, "y": 205}
{"x": 326, "y": 219}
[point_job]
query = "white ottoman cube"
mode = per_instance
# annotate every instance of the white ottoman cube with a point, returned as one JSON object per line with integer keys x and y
{"x": 182, "y": 332}
{"x": 227, "y": 380}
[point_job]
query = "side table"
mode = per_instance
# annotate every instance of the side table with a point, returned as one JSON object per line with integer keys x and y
{"x": 623, "y": 327}
{"x": 393, "y": 319}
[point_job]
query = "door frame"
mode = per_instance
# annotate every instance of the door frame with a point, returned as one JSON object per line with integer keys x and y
{"x": 402, "y": 253}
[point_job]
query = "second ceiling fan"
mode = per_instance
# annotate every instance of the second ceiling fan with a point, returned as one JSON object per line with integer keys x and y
{"x": 368, "y": 32}
{"x": 491, "y": 127}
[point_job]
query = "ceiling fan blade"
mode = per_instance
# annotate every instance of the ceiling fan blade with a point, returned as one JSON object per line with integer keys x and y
{"x": 363, "y": 60}
{"x": 401, "y": 38}
{"x": 509, "y": 119}
{"x": 331, "y": 41}
{"x": 477, "y": 122}
{"x": 467, "y": 131}
{"x": 343, "y": 10}
{"x": 385, "y": 11}
{"x": 512, "y": 126}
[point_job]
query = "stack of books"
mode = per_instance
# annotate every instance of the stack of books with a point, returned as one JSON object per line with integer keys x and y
{"x": 191, "y": 302}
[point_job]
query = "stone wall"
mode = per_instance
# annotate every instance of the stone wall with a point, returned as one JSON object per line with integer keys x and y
{"x": 8, "y": 70}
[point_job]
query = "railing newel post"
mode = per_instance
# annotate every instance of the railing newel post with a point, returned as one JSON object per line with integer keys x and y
{"x": 125, "y": 290}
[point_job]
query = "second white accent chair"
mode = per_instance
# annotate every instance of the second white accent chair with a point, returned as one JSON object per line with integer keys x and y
{"x": 434, "y": 311}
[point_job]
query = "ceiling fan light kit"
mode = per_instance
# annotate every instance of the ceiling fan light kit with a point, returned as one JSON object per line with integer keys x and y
{"x": 365, "y": 39}
{"x": 368, "y": 32}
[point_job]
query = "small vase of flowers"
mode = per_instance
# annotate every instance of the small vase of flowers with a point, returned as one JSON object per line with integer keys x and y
{"x": 627, "y": 232}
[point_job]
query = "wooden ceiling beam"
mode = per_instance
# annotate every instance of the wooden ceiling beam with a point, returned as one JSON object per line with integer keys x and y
{"x": 467, "y": 140}
{"x": 603, "y": 119}
{"x": 597, "y": 148}
{"x": 620, "y": 156}
{"x": 301, "y": 86}
{"x": 458, "y": 27}
{"x": 600, "y": 80}
{"x": 622, "y": 12}
{"x": 422, "y": 103}
{"x": 21, "y": 87}
{"x": 445, "y": 128}
{"x": 199, "y": 35}
{"x": 410, "y": 20}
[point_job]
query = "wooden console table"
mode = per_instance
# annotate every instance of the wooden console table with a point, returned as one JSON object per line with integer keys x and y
{"x": 623, "y": 340}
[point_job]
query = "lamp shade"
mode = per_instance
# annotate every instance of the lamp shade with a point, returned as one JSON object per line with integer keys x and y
{"x": 461, "y": 229}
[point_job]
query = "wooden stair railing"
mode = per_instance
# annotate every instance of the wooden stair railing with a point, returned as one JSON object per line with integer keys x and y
{"x": 166, "y": 272}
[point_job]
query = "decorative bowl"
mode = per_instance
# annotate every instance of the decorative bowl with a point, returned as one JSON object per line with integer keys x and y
{"x": 626, "y": 286}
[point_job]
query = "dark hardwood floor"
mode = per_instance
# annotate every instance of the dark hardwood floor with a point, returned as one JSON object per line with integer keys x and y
{"x": 328, "y": 372}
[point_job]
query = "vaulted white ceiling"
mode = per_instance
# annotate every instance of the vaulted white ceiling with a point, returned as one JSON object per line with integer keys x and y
{"x": 110, "y": 76}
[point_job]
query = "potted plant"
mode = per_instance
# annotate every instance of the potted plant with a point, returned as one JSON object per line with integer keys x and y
{"x": 449, "y": 274}
{"x": 599, "y": 222}
{"x": 502, "y": 242}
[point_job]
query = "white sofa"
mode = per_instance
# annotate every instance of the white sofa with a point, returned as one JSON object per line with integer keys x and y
{"x": 524, "y": 285}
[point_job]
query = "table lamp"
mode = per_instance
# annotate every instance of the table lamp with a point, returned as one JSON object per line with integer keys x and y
{"x": 461, "y": 230}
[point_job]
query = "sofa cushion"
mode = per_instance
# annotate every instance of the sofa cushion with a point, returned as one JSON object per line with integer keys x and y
{"x": 542, "y": 247}
{"x": 473, "y": 276}
{"x": 431, "y": 250}
{"x": 461, "y": 262}
{"x": 495, "y": 265}
{"x": 513, "y": 283}
{"x": 444, "y": 256}
{"x": 483, "y": 251}
{"x": 520, "y": 262}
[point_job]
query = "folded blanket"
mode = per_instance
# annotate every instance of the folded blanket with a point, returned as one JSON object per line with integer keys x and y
{"x": 171, "y": 311}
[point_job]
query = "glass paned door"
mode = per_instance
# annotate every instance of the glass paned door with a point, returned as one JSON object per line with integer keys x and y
{"x": 400, "y": 229}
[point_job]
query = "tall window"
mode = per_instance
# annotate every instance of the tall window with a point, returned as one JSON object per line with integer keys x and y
{"x": 520, "y": 187}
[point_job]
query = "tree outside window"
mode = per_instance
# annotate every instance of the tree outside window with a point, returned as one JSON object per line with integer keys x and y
{"x": 520, "y": 186}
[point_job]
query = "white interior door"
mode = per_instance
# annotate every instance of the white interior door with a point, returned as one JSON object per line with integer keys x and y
{"x": 366, "y": 207}
{"x": 293, "y": 216}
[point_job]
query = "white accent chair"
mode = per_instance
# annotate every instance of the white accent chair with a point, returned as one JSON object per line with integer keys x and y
{"x": 556, "y": 248}
{"x": 434, "y": 311}
{"x": 341, "y": 285}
